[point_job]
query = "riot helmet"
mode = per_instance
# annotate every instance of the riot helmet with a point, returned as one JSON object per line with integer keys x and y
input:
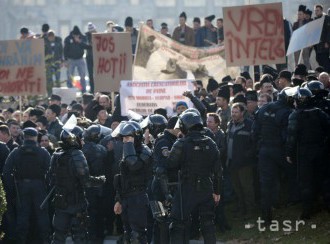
{"x": 317, "y": 88}
{"x": 156, "y": 124}
{"x": 303, "y": 97}
{"x": 192, "y": 110}
{"x": 69, "y": 140}
{"x": 78, "y": 132}
{"x": 92, "y": 133}
{"x": 286, "y": 95}
{"x": 190, "y": 121}
{"x": 132, "y": 128}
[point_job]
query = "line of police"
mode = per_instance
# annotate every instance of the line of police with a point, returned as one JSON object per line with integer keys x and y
{"x": 181, "y": 175}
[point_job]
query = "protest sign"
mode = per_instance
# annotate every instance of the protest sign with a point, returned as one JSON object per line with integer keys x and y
{"x": 254, "y": 34}
{"x": 112, "y": 56}
{"x": 67, "y": 94}
{"x": 22, "y": 67}
{"x": 143, "y": 97}
{"x": 161, "y": 58}
{"x": 306, "y": 36}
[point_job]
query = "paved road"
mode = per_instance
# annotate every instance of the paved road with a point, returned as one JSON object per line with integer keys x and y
{"x": 112, "y": 240}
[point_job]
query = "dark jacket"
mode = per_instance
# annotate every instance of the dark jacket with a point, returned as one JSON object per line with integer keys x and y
{"x": 4, "y": 152}
{"x": 55, "y": 128}
{"x": 14, "y": 163}
{"x": 89, "y": 51}
{"x": 75, "y": 50}
{"x": 189, "y": 36}
{"x": 202, "y": 35}
{"x": 54, "y": 50}
{"x": 296, "y": 25}
{"x": 325, "y": 36}
{"x": 242, "y": 146}
{"x": 11, "y": 144}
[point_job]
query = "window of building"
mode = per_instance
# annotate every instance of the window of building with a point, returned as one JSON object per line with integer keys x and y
{"x": 167, "y": 3}
{"x": 63, "y": 2}
{"x": 135, "y": 2}
{"x": 99, "y": 2}
{"x": 225, "y": 3}
{"x": 29, "y": 2}
{"x": 195, "y": 3}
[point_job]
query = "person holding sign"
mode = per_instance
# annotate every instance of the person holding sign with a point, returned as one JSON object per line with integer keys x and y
{"x": 207, "y": 35}
{"x": 322, "y": 49}
{"x": 183, "y": 33}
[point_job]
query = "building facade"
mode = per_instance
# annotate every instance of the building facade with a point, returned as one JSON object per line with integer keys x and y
{"x": 62, "y": 15}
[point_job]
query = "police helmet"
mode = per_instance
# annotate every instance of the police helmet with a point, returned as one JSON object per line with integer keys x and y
{"x": 317, "y": 88}
{"x": 132, "y": 128}
{"x": 190, "y": 121}
{"x": 315, "y": 85}
{"x": 69, "y": 140}
{"x": 192, "y": 110}
{"x": 78, "y": 132}
{"x": 286, "y": 95}
{"x": 92, "y": 133}
{"x": 156, "y": 124}
{"x": 303, "y": 96}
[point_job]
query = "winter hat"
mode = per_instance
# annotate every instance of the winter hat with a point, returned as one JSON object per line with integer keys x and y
{"x": 91, "y": 27}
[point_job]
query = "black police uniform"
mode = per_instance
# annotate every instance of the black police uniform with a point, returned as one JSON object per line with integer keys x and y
{"x": 95, "y": 155}
{"x": 4, "y": 152}
{"x": 70, "y": 175}
{"x": 308, "y": 132}
{"x": 197, "y": 156}
{"x": 269, "y": 132}
{"x": 113, "y": 159}
{"x": 131, "y": 184}
{"x": 24, "y": 176}
{"x": 163, "y": 176}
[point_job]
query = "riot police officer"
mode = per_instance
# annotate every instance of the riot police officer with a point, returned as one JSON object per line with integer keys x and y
{"x": 95, "y": 155}
{"x": 131, "y": 184}
{"x": 269, "y": 132}
{"x": 25, "y": 172}
{"x": 320, "y": 94}
{"x": 161, "y": 190}
{"x": 155, "y": 123}
{"x": 308, "y": 130}
{"x": 70, "y": 175}
{"x": 197, "y": 157}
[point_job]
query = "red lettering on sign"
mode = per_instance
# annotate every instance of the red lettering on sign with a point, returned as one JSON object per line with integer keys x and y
{"x": 4, "y": 74}
{"x": 105, "y": 44}
{"x": 113, "y": 65}
{"x": 256, "y": 34}
{"x": 25, "y": 73}
{"x": 21, "y": 86}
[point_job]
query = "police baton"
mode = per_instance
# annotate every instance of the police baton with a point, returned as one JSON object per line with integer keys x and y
{"x": 43, "y": 204}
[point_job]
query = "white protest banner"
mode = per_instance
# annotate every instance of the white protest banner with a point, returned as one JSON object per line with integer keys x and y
{"x": 22, "y": 67}
{"x": 161, "y": 58}
{"x": 143, "y": 97}
{"x": 112, "y": 56}
{"x": 67, "y": 94}
{"x": 254, "y": 34}
{"x": 306, "y": 36}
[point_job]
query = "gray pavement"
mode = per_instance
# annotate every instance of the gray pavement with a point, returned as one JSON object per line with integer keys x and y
{"x": 113, "y": 240}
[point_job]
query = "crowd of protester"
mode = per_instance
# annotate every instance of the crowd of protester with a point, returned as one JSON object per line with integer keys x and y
{"x": 269, "y": 155}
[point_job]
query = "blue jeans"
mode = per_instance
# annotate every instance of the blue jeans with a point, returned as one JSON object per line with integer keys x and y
{"x": 81, "y": 66}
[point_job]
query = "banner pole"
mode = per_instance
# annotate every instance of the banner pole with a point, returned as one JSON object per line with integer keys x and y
{"x": 252, "y": 75}
{"x": 20, "y": 108}
{"x": 112, "y": 102}
{"x": 300, "y": 56}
